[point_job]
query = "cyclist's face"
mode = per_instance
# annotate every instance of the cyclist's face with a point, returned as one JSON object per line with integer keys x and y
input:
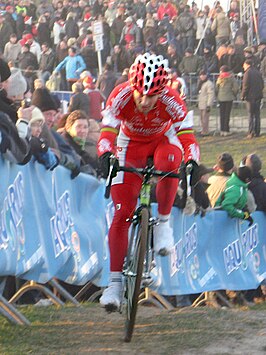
{"x": 144, "y": 103}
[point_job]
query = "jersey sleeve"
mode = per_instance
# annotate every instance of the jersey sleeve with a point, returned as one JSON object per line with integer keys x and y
{"x": 111, "y": 120}
{"x": 182, "y": 121}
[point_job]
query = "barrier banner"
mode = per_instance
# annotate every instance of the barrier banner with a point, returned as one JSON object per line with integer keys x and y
{"x": 51, "y": 226}
{"x": 212, "y": 253}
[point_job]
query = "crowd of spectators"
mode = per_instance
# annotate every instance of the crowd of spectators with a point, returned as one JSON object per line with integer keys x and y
{"x": 59, "y": 36}
{"x": 52, "y": 40}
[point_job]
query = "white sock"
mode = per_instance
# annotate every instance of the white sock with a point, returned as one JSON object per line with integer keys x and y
{"x": 115, "y": 277}
{"x": 163, "y": 218}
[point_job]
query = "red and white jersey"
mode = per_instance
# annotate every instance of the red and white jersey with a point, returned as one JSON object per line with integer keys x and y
{"x": 122, "y": 114}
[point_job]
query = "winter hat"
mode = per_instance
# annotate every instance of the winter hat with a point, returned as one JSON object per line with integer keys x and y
{"x": 225, "y": 162}
{"x": 43, "y": 99}
{"x": 129, "y": 19}
{"x": 254, "y": 163}
{"x": 36, "y": 115}
{"x": 4, "y": 71}
{"x": 17, "y": 84}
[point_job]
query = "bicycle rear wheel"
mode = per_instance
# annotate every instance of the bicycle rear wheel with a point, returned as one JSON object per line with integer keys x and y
{"x": 134, "y": 268}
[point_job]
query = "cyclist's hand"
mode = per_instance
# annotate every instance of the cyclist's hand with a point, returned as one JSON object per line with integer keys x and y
{"x": 192, "y": 169}
{"x": 104, "y": 161}
{"x": 105, "y": 164}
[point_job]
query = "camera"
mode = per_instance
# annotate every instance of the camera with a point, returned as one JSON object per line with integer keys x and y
{"x": 26, "y": 103}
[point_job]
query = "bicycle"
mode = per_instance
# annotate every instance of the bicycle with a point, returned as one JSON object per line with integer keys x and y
{"x": 139, "y": 260}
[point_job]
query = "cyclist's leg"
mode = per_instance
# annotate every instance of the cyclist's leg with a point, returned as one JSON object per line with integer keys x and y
{"x": 125, "y": 192}
{"x": 167, "y": 157}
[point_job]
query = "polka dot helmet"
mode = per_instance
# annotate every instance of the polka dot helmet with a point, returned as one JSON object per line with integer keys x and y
{"x": 148, "y": 74}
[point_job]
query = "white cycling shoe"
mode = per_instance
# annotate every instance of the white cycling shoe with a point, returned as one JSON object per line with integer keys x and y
{"x": 163, "y": 238}
{"x": 111, "y": 297}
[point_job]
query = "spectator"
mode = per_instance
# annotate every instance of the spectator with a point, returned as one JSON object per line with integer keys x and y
{"x": 191, "y": 63}
{"x": 221, "y": 27}
{"x": 234, "y": 198}
{"x": 226, "y": 90}
{"x": 177, "y": 83}
{"x": 106, "y": 81}
{"x": 224, "y": 169}
{"x": 129, "y": 32}
{"x": 47, "y": 62}
{"x": 35, "y": 48}
{"x": 205, "y": 101}
{"x": 117, "y": 26}
{"x": 166, "y": 8}
{"x": 16, "y": 86}
{"x": 186, "y": 27}
{"x": 12, "y": 49}
{"x": 200, "y": 28}
{"x": 173, "y": 57}
{"x": 96, "y": 98}
{"x": 257, "y": 184}
{"x": 79, "y": 100}
{"x": 71, "y": 27}
{"x": 43, "y": 31}
{"x": 234, "y": 26}
{"x": 119, "y": 59}
{"x": 152, "y": 7}
{"x": 67, "y": 156}
{"x": 5, "y": 31}
{"x": 10, "y": 17}
{"x": 233, "y": 60}
{"x": 75, "y": 134}
{"x": 74, "y": 65}
{"x": 14, "y": 143}
{"x": 27, "y": 59}
{"x": 210, "y": 60}
{"x": 6, "y": 104}
{"x": 252, "y": 93}
{"x": 249, "y": 54}
{"x": 39, "y": 148}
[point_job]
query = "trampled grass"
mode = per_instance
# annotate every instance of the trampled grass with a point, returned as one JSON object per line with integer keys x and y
{"x": 88, "y": 329}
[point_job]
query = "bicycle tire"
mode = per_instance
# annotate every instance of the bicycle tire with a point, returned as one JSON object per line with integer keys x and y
{"x": 134, "y": 264}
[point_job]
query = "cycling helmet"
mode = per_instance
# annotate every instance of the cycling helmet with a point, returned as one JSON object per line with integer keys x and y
{"x": 148, "y": 74}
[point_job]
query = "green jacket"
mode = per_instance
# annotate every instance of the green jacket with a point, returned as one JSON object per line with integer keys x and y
{"x": 226, "y": 89}
{"x": 234, "y": 198}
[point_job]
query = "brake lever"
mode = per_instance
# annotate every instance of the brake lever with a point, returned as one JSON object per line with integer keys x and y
{"x": 189, "y": 169}
{"x": 109, "y": 179}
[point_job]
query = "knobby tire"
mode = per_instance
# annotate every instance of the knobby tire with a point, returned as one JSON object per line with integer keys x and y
{"x": 135, "y": 260}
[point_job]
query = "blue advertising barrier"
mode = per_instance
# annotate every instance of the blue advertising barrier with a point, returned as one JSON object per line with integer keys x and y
{"x": 55, "y": 227}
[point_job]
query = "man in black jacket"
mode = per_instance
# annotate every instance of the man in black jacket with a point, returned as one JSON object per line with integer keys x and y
{"x": 252, "y": 93}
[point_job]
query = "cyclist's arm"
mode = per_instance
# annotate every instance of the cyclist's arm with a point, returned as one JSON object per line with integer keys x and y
{"x": 111, "y": 122}
{"x": 183, "y": 124}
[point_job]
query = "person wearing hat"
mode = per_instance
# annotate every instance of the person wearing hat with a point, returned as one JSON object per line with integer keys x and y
{"x": 130, "y": 32}
{"x": 205, "y": 101}
{"x": 249, "y": 53}
{"x": 224, "y": 169}
{"x": 210, "y": 59}
{"x": 39, "y": 148}
{"x": 252, "y": 93}
{"x": 95, "y": 96}
{"x": 43, "y": 99}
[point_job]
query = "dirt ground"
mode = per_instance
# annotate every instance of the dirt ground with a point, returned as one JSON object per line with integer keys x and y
{"x": 88, "y": 329}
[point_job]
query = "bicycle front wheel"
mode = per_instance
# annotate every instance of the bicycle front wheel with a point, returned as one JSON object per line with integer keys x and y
{"x": 134, "y": 268}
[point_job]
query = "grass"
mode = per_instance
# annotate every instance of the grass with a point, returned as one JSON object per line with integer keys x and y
{"x": 88, "y": 329}
{"x": 237, "y": 145}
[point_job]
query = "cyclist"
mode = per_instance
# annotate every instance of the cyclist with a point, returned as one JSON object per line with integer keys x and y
{"x": 150, "y": 119}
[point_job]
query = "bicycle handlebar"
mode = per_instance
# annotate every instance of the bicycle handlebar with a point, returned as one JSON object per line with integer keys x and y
{"x": 148, "y": 171}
